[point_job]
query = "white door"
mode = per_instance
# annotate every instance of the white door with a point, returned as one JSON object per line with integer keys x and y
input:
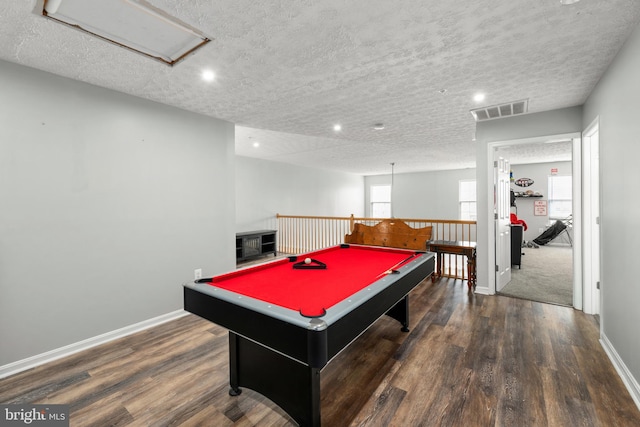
{"x": 591, "y": 185}
{"x": 503, "y": 222}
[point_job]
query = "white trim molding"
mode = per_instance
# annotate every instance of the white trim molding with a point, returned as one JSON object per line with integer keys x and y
{"x": 482, "y": 290}
{"x": 626, "y": 376}
{"x": 58, "y": 353}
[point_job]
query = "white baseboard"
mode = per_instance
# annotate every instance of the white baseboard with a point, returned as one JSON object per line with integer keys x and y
{"x": 58, "y": 353}
{"x": 627, "y": 378}
{"x": 484, "y": 290}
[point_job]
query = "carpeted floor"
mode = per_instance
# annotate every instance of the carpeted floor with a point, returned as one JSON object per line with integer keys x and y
{"x": 546, "y": 275}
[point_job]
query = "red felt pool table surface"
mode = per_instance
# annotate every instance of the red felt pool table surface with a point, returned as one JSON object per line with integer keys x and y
{"x": 311, "y": 291}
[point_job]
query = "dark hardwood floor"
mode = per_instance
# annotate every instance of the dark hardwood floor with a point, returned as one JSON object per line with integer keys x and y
{"x": 469, "y": 360}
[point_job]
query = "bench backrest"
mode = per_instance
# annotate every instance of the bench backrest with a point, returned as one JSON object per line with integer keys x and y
{"x": 390, "y": 233}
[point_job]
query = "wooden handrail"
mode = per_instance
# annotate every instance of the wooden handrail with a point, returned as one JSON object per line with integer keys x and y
{"x": 304, "y": 233}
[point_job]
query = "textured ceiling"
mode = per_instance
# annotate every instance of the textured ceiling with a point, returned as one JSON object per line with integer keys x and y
{"x": 287, "y": 71}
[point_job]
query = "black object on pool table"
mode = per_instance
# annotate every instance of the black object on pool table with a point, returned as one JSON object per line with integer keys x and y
{"x": 313, "y": 264}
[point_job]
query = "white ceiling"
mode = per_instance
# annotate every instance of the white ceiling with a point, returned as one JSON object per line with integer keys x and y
{"x": 287, "y": 71}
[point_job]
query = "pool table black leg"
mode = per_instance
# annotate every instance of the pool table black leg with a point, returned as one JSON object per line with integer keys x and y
{"x": 234, "y": 390}
{"x": 400, "y": 312}
{"x": 292, "y": 385}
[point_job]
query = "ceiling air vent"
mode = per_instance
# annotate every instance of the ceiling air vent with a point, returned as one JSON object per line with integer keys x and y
{"x": 499, "y": 111}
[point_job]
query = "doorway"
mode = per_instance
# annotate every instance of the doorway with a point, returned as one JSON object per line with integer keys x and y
{"x": 495, "y": 197}
{"x": 541, "y": 255}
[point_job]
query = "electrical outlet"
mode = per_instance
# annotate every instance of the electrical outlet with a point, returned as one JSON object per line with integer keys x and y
{"x": 197, "y": 273}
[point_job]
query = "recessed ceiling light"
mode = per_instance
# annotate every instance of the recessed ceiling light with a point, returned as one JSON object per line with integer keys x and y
{"x": 479, "y": 97}
{"x": 337, "y": 127}
{"x": 256, "y": 144}
{"x": 568, "y": 2}
{"x": 208, "y": 76}
{"x": 378, "y": 126}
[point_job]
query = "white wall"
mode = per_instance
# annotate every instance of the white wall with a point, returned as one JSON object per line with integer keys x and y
{"x": 108, "y": 204}
{"x": 266, "y": 188}
{"x": 539, "y": 173}
{"x": 431, "y": 195}
{"x": 615, "y": 101}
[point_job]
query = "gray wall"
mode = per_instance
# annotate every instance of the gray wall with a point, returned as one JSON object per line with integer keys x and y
{"x": 432, "y": 195}
{"x": 615, "y": 101}
{"x": 539, "y": 173}
{"x": 266, "y": 188}
{"x": 108, "y": 204}
{"x": 556, "y": 122}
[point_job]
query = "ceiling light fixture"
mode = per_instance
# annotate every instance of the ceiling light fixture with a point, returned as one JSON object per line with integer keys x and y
{"x": 132, "y": 24}
{"x": 337, "y": 127}
{"x": 256, "y": 144}
{"x": 479, "y": 97}
{"x": 568, "y": 2}
{"x": 378, "y": 126}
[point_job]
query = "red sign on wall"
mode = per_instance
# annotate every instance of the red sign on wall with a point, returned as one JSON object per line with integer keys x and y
{"x": 540, "y": 208}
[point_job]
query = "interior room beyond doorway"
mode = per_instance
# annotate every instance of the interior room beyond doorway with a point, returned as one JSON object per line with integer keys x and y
{"x": 542, "y": 271}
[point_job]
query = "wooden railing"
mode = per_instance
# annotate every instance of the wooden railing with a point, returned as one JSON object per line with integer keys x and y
{"x": 299, "y": 234}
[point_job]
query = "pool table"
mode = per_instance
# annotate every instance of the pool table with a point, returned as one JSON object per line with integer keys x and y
{"x": 288, "y": 318}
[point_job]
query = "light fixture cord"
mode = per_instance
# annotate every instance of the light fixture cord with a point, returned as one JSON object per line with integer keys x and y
{"x": 391, "y": 201}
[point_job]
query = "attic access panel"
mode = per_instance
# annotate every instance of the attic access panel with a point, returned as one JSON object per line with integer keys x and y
{"x": 133, "y": 24}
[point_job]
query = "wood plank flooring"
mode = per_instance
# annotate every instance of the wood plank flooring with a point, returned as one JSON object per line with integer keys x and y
{"x": 469, "y": 360}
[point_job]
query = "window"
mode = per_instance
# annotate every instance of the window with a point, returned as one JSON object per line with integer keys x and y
{"x": 560, "y": 197}
{"x": 380, "y": 197}
{"x": 467, "y": 199}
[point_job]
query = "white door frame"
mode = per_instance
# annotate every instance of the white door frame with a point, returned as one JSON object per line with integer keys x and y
{"x": 592, "y": 297}
{"x": 576, "y": 182}
{"x": 577, "y": 206}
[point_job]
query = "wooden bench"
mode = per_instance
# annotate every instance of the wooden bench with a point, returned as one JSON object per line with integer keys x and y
{"x": 390, "y": 233}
